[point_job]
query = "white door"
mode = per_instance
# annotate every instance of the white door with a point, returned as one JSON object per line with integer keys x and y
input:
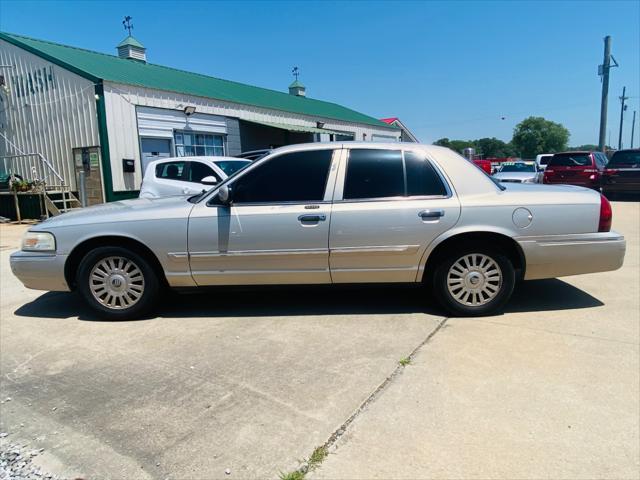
{"x": 388, "y": 207}
{"x": 154, "y": 149}
{"x": 276, "y": 230}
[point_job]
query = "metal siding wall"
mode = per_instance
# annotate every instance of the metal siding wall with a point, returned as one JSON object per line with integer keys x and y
{"x": 233, "y": 137}
{"x": 123, "y": 132}
{"x": 55, "y": 118}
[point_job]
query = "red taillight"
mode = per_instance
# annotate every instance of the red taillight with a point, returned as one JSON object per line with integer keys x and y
{"x": 548, "y": 170}
{"x": 606, "y": 214}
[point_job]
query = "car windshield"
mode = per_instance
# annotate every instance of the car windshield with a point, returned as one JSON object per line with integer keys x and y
{"x": 229, "y": 167}
{"x": 629, "y": 157}
{"x": 517, "y": 167}
{"x": 570, "y": 160}
{"x": 544, "y": 160}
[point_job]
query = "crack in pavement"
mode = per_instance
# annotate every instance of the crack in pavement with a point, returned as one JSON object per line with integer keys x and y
{"x": 373, "y": 396}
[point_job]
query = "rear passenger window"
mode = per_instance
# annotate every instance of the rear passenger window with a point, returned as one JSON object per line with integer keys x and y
{"x": 170, "y": 170}
{"x": 382, "y": 174}
{"x": 422, "y": 178}
{"x": 374, "y": 174}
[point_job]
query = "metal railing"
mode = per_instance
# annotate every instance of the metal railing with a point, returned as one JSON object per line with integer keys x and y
{"x": 29, "y": 166}
{"x": 32, "y": 167}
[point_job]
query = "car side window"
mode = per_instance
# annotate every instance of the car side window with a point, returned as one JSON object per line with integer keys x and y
{"x": 198, "y": 170}
{"x": 291, "y": 177}
{"x": 374, "y": 173}
{"x": 422, "y": 178}
{"x": 603, "y": 159}
{"x": 170, "y": 170}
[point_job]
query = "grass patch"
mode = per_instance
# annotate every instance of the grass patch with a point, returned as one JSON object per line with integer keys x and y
{"x": 295, "y": 475}
{"x": 316, "y": 458}
{"x": 405, "y": 361}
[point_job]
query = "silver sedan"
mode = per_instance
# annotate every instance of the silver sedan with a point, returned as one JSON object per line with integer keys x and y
{"x": 328, "y": 214}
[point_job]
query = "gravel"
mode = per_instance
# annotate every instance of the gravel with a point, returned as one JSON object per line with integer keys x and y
{"x": 16, "y": 463}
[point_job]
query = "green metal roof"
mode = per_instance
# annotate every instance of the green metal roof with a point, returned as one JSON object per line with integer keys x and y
{"x": 296, "y": 83}
{"x": 130, "y": 41}
{"x": 100, "y": 66}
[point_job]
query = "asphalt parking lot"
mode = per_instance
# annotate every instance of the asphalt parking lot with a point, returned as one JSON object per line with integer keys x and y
{"x": 251, "y": 382}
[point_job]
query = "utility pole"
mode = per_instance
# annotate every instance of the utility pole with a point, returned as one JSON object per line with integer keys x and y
{"x": 633, "y": 127}
{"x": 622, "y": 109}
{"x": 603, "y": 70}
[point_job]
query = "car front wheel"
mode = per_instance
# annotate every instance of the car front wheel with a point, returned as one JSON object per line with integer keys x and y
{"x": 117, "y": 283}
{"x": 475, "y": 282}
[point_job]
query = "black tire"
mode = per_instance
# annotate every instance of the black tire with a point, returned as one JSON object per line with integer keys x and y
{"x": 494, "y": 302}
{"x": 148, "y": 288}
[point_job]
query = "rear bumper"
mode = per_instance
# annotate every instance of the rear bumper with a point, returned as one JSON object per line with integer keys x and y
{"x": 552, "y": 256}
{"x": 39, "y": 271}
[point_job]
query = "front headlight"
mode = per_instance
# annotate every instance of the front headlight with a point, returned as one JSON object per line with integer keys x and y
{"x": 38, "y": 242}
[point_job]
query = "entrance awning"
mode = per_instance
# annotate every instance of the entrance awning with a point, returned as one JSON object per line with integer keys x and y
{"x": 297, "y": 128}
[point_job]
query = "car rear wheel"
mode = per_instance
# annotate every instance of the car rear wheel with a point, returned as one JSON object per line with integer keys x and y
{"x": 475, "y": 282}
{"x": 117, "y": 283}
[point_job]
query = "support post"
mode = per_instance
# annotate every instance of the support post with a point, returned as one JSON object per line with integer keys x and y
{"x": 633, "y": 128}
{"x": 606, "y": 66}
{"x": 82, "y": 187}
{"x": 622, "y": 109}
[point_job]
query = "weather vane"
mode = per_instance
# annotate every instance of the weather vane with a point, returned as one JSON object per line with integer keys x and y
{"x": 296, "y": 72}
{"x": 127, "y": 24}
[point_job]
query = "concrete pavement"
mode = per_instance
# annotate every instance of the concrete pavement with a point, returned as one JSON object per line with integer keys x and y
{"x": 547, "y": 394}
{"x": 254, "y": 381}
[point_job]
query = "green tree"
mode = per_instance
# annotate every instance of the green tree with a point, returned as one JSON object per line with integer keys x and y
{"x": 536, "y": 135}
{"x": 443, "y": 142}
{"x": 493, "y": 148}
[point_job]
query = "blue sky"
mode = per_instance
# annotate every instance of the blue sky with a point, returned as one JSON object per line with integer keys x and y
{"x": 447, "y": 69}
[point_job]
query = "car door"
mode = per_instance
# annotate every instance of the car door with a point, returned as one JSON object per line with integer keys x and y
{"x": 170, "y": 177}
{"x": 276, "y": 229}
{"x": 389, "y": 205}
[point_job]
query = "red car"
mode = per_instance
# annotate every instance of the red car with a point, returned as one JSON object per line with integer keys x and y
{"x": 483, "y": 165}
{"x": 584, "y": 169}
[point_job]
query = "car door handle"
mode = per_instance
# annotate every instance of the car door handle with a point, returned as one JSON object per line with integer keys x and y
{"x": 312, "y": 218}
{"x": 431, "y": 214}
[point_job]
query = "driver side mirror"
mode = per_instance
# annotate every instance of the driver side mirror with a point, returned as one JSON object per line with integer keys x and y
{"x": 225, "y": 195}
{"x": 209, "y": 180}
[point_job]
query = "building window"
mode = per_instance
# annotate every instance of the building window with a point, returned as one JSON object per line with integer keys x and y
{"x": 191, "y": 144}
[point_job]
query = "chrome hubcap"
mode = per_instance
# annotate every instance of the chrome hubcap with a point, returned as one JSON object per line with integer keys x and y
{"x": 474, "y": 279}
{"x": 116, "y": 282}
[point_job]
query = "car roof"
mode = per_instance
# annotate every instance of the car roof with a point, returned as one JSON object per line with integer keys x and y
{"x": 206, "y": 158}
{"x": 359, "y": 144}
{"x": 581, "y": 152}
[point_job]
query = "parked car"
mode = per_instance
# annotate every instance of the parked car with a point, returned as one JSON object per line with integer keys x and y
{"x": 484, "y": 165}
{"x": 576, "y": 168}
{"x": 622, "y": 175}
{"x": 254, "y": 154}
{"x": 329, "y": 213}
{"x": 517, "y": 172}
{"x": 542, "y": 160}
{"x": 187, "y": 175}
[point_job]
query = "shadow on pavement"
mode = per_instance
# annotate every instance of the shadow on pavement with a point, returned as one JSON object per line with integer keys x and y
{"x": 533, "y": 296}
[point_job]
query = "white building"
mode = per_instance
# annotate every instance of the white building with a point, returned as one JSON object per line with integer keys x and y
{"x": 108, "y": 115}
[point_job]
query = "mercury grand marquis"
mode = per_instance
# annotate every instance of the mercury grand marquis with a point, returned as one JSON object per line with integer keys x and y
{"x": 329, "y": 213}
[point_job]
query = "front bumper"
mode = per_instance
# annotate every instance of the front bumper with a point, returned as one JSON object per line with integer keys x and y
{"x": 552, "y": 256}
{"x": 39, "y": 271}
